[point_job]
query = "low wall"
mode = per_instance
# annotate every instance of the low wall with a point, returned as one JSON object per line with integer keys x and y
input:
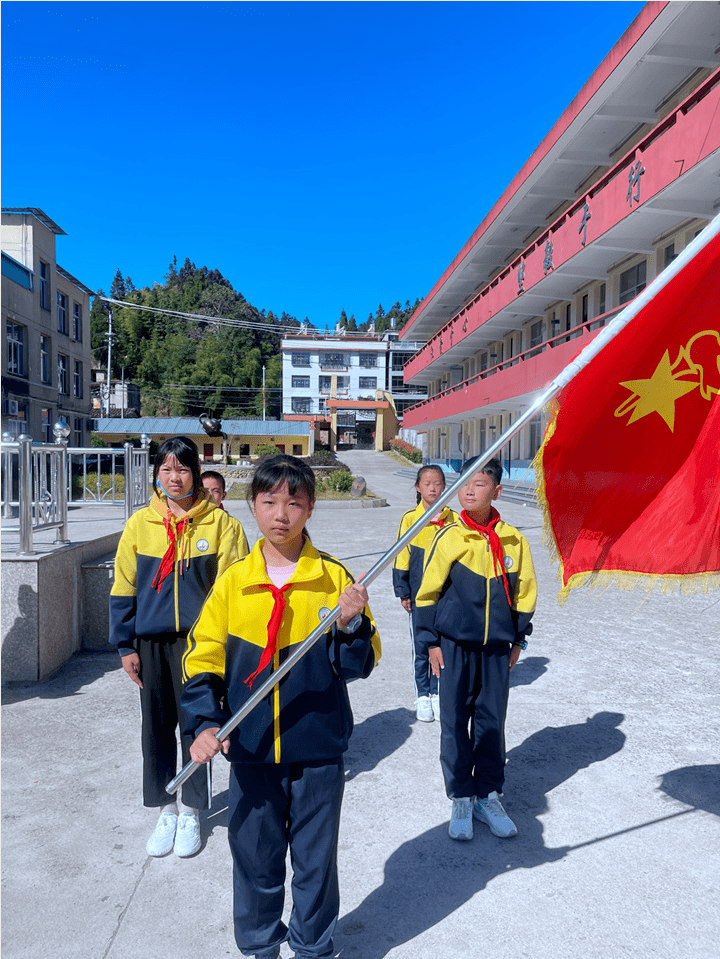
{"x": 43, "y": 608}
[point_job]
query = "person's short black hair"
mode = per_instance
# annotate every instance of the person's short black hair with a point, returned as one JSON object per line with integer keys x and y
{"x": 213, "y": 474}
{"x": 185, "y": 452}
{"x": 283, "y": 468}
{"x": 493, "y": 468}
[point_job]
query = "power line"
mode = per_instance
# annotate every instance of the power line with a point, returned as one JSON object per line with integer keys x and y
{"x": 203, "y": 318}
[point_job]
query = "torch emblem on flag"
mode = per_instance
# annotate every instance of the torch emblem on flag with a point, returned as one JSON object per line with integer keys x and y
{"x": 671, "y": 381}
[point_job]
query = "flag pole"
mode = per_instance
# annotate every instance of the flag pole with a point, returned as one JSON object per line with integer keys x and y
{"x": 563, "y": 378}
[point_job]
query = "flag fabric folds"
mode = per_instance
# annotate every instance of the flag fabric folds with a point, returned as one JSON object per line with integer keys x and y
{"x": 629, "y": 469}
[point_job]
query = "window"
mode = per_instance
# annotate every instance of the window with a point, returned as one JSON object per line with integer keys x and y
{"x": 568, "y": 317}
{"x": 368, "y": 361}
{"x": 44, "y": 286}
{"x": 332, "y": 361}
{"x": 16, "y": 348}
{"x": 482, "y": 362}
{"x": 63, "y": 386}
{"x": 301, "y": 382}
{"x": 46, "y": 425}
{"x": 400, "y": 359}
{"x": 297, "y": 449}
{"x": 62, "y": 323}
{"x": 77, "y": 322}
{"x": 302, "y": 404}
{"x": 398, "y": 382}
{"x": 45, "y": 354}
{"x": 670, "y": 255}
{"x": 78, "y": 379}
{"x": 78, "y": 431}
{"x": 585, "y": 309}
{"x": 300, "y": 359}
{"x": 632, "y": 282}
{"x": 325, "y": 383}
{"x": 601, "y": 304}
{"x": 535, "y": 426}
{"x": 368, "y": 382}
{"x": 536, "y": 336}
{"x": 244, "y": 449}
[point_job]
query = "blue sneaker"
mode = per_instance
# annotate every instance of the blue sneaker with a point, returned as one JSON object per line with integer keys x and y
{"x": 491, "y": 812}
{"x": 461, "y": 825}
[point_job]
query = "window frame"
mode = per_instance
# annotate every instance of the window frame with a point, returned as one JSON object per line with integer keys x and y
{"x": 62, "y": 320}
{"x": 367, "y": 383}
{"x": 16, "y": 349}
{"x": 44, "y": 286}
{"x": 304, "y": 385}
{"x": 635, "y": 282}
{"x": 45, "y": 360}
{"x": 63, "y": 384}
{"x": 77, "y": 321}
{"x": 78, "y": 379}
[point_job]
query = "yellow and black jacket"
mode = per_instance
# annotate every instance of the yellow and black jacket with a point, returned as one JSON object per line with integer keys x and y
{"x": 462, "y": 598}
{"x": 242, "y": 542}
{"x": 408, "y": 565}
{"x": 307, "y": 715}
{"x": 205, "y": 548}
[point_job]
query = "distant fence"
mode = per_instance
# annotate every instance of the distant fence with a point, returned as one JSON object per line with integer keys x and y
{"x": 40, "y": 479}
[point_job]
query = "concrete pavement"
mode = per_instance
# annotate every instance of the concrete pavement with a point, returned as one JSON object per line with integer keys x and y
{"x": 613, "y": 781}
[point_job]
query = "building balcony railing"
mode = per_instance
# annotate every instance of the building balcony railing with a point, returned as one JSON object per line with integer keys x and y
{"x": 690, "y": 129}
{"x": 589, "y": 326}
{"x": 337, "y": 367}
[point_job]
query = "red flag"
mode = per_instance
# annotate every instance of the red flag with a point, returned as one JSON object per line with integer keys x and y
{"x": 629, "y": 469}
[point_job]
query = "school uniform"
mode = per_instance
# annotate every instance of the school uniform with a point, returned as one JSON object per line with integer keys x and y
{"x": 475, "y": 602}
{"x": 164, "y": 568}
{"x": 287, "y": 755}
{"x": 407, "y": 576}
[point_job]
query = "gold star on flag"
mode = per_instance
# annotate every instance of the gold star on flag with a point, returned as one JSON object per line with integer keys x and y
{"x": 659, "y": 393}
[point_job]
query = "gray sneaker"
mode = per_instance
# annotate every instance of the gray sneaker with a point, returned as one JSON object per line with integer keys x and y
{"x": 491, "y": 811}
{"x": 461, "y": 825}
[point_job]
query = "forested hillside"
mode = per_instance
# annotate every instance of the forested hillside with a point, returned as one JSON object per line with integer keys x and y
{"x": 185, "y": 366}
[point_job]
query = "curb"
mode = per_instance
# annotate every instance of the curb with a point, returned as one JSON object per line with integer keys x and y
{"x": 350, "y": 503}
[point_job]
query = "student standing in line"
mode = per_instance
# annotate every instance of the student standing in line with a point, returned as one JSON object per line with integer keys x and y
{"x": 287, "y": 774}
{"x": 168, "y": 558}
{"x": 407, "y": 574}
{"x": 473, "y": 612}
{"x": 214, "y": 483}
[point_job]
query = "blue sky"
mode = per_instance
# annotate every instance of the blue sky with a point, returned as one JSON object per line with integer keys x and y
{"x": 322, "y": 156}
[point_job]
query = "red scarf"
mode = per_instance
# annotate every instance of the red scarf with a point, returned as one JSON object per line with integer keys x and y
{"x": 168, "y": 561}
{"x": 272, "y": 628}
{"x": 494, "y": 540}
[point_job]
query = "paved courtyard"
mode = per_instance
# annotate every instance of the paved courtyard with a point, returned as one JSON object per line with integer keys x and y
{"x": 612, "y": 779}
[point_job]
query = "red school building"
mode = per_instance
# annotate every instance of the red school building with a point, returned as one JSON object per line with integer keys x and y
{"x": 624, "y": 180}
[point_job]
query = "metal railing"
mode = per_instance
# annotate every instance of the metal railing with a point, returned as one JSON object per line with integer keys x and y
{"x": 37, "y": 484}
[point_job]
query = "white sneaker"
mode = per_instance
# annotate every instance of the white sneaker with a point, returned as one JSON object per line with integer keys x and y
{"x": 424, "y": 710}
{"x": 187, "y": 838}
{"x": 491, "y": 811}
{"x": 161, "y": 841}
{"x": 435, "y": 703}
{"x": 461, "y": 826}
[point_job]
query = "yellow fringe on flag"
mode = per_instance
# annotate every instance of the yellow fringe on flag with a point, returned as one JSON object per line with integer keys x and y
{"x": 603, "y": 579}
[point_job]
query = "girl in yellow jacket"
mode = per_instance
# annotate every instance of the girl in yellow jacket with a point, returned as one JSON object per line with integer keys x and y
{"x": 168, "y": 558}
{"x": 407, "y": 575}
{"x": 287, "y": 775}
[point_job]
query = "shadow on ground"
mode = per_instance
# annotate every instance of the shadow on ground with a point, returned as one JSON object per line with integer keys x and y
{"x": 83, "y": 670}
{"x": 459, "y": 870}
{"x": 528, "y": 670}
{"x": 697, "y": 786}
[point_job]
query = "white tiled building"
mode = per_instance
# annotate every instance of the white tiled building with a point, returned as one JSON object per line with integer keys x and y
{"x": 46, "y": 351}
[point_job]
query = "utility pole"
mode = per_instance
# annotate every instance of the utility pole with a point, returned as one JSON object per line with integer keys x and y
{"x": 263, "y": 391}
{"x": 109, "y": 367}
